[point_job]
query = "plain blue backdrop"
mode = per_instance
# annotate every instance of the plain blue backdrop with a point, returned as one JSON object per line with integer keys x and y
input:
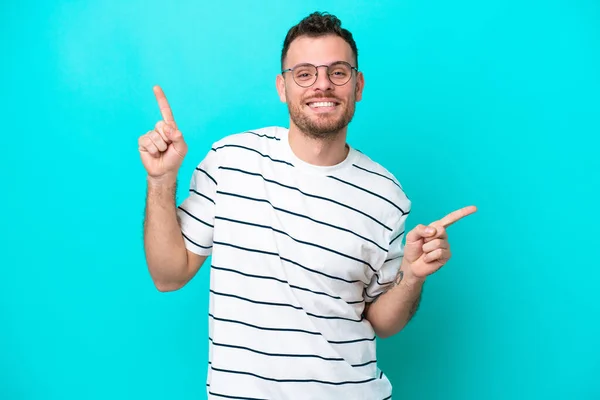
{"x": 490, "y": 103}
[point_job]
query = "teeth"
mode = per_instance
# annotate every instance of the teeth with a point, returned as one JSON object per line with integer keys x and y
{"x": 323, "y": 104}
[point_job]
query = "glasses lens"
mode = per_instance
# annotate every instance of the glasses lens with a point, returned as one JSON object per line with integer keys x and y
{"x": 340, "y": 73}
{"x": 305, "y": 74}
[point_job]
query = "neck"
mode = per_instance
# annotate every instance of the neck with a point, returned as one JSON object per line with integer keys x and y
{"x": 326, "y": 151}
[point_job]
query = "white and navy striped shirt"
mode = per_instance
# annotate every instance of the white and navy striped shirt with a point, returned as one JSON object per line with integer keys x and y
{"x": 297, "y": 251}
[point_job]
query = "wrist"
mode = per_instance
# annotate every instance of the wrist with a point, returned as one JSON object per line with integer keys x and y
{"x": 409, "y": 278}
{"x": 167, "y": 181}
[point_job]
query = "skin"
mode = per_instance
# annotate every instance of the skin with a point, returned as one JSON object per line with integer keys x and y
{"x": 427, "y": 247}
{"x": 427, "y": 250}
{"x": 316, "y": 136}
{"x": 162, "y": 151}
{"x": 324, "y": 147}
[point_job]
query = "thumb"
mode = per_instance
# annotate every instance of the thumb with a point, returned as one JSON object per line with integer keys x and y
{"x": 414, "y": 242}
{"x": 420, "y": 232}
{"x": 176, "y": 138}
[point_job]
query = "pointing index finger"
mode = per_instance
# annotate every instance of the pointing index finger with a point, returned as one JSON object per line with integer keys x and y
{"x": 163, "y": 105}
{"x": 457, "y": 215}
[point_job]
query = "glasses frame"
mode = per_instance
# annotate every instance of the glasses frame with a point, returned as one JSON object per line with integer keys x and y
{"x": 317, "y": 73}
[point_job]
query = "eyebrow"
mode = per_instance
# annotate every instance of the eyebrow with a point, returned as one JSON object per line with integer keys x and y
{"x": 331, "y": 63}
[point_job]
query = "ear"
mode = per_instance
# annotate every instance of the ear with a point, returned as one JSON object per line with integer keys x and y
{"x": 280, "y": 84}
{"x": 360, "y": 85}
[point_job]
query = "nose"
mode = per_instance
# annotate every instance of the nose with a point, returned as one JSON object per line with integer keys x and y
{"x": 323, "y": 82}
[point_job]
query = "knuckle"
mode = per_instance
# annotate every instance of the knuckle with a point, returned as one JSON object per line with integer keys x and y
{"x": 145, "y": 140}
{"x": 160, "y": 127}
{"x": 162, "y": 146}
{"x": 143, "y": 137}
{"x": 157, "y": 139}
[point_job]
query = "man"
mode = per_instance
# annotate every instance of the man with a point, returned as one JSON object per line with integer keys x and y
{"x": 305, "y": 233}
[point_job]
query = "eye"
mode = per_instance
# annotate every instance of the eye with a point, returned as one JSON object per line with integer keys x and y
{"x": 303, "y": 74}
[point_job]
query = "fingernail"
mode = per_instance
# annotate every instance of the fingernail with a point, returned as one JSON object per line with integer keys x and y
{"x": 429, "y": 230}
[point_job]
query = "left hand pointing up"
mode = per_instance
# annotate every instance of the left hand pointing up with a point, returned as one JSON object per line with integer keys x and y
{"x": 427, "y": 248}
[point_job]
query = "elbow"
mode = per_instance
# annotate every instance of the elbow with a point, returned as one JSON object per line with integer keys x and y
{"x": 384, "y": 333}
{"x": 382, "y": 328}
{"x": 387, "y": 329}
{"x": 165, "y": 287}
{"x": 166, "y": 279}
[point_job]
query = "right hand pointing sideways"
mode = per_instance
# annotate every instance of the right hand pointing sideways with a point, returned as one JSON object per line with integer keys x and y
{"x": 162, "y": 149}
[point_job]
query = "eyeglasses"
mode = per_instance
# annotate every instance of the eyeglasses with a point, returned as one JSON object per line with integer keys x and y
{"x": 305, "y": 75}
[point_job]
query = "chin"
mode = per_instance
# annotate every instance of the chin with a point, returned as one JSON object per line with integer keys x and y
{"x": 320, "y": 126}
{"x": 322, "y": 129}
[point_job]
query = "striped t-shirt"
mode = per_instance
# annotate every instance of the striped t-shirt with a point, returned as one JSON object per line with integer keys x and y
{"x": 297, "y": 251}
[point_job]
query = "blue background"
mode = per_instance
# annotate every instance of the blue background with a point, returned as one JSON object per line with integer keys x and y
{"x": 490, "y": 103}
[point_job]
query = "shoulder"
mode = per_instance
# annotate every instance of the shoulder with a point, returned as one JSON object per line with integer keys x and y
{"x": 374, "y": 177}
{"x": 252, "y": 138}
{"x": 379, "y": 176}
{"x": 255, "y": 140}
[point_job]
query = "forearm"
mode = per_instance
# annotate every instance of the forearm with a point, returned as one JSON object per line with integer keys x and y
{"x": 164, "y": 245}
{"x": 394, "y": 309}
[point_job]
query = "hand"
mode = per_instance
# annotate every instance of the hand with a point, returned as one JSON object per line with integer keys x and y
{"x": 162, "y": 149}
{"x": 427, "y": 248}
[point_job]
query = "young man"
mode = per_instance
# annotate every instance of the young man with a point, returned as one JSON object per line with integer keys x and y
{"x": 305, "y": 232}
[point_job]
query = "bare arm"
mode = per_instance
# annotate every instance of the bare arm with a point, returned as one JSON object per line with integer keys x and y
{"x": 170, "y": 264}
{"x": 392, "y": 310}
{"x": 427, "y": 250}
{"x": 162, "y": 151}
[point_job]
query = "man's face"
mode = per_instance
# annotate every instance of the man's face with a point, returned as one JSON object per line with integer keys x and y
{"x": 323, "y": 109}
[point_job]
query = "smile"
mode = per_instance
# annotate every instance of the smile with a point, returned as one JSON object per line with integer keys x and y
{"x": 322, "y": 104}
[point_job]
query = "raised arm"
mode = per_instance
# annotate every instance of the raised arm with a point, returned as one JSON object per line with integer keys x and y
{"x": 162, "y": 151}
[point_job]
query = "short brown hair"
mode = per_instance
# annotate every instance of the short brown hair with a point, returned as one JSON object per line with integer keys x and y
{"x": 315, "y": 25}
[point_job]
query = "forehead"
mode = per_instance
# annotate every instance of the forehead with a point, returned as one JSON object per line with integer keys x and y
{"x": 318, "y": 50}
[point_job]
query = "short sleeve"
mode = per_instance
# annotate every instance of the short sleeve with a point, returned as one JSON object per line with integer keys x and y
{"x": 197, "y": 212}
{"x": 386, "y": 274}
